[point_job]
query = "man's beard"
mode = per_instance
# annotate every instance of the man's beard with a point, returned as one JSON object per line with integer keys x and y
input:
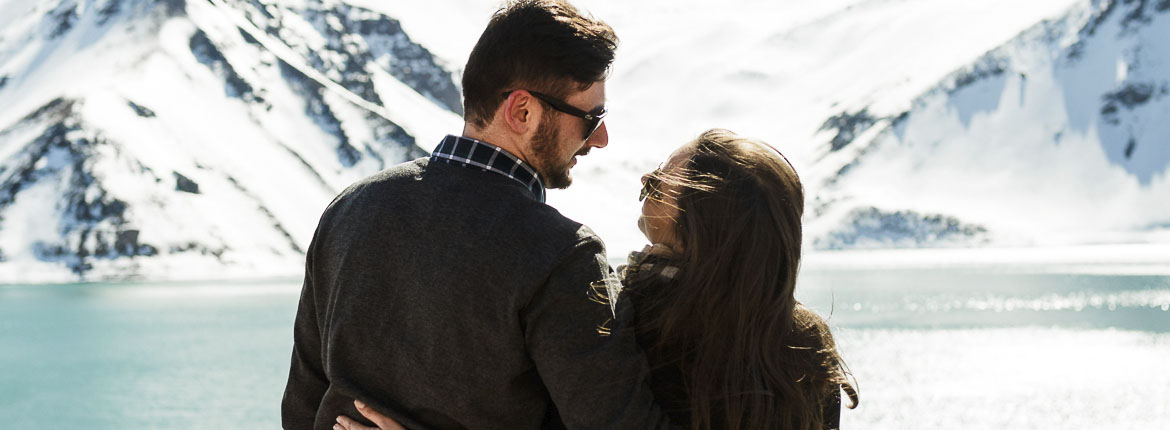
{"x": 544, "y": 147}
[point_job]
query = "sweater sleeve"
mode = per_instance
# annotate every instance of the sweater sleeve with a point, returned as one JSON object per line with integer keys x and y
{"x": 584, "y": 353}
{"x": 306, "y": 376}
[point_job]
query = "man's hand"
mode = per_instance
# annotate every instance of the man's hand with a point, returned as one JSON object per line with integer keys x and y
{"x": 383, "y": 422}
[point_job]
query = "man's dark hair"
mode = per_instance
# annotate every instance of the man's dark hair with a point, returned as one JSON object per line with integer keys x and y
{"x": 540, "y": 45}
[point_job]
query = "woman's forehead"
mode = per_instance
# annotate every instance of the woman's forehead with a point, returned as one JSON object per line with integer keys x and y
{"x": 679, "y": 157}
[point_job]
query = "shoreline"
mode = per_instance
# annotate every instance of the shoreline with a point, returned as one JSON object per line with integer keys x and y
{"x": 1104, "y": 259}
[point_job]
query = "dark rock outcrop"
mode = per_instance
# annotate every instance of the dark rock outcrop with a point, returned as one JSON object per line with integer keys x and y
{"x": 141, "y": 110}
{"x": 185, "y": 184}
{"x": 62, "y": 19}
{"x": 92, "y": 223}
{"x": 209, "y": 55}
{"x": 848, "y": 126}
{"x": 875, "y": 228}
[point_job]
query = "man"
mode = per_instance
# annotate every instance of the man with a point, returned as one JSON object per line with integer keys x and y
{"x": 444, "y": 293}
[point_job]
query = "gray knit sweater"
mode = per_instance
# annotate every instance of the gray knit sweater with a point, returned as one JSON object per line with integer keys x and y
{"x": 447, "y": 297}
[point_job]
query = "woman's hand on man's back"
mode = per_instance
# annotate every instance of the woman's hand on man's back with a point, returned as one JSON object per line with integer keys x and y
{"x": 381, "y": 421}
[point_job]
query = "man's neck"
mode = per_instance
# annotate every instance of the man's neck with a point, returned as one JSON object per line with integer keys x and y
{"x": 501, "y": 140}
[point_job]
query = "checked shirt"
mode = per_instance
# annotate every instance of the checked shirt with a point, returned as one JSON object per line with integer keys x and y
{"x": 467, "y": 152}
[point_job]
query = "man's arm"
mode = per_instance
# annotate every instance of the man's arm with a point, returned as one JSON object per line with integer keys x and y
{"x": 306, "y": 376}
{"x": 596, "y": 380}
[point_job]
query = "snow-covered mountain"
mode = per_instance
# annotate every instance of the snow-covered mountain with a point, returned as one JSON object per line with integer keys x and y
{"x": 175, "y": 139}
{"x": 1062, "y": 135}
{"x": 913, "y": 123}
{"x": 190, "y": 139}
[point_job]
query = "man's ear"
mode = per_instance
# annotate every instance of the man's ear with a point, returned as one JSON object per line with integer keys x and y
{"x": 521, "y": 112}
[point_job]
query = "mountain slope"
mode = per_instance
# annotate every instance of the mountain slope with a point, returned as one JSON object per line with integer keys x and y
{"x": 187, "y": 139}
{"x": 1057, "y": 137}
{"x": 171, "y": 139}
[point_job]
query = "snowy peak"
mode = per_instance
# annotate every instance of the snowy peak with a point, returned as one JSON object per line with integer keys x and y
{"x": 343, "y": 41}
{"x": 175, "y": 140}
{"x": 1131, "y": 112}
{"x": 59, "y": 172}
{"x": 55, "y": 159}
{"x": 1057, "y": 137}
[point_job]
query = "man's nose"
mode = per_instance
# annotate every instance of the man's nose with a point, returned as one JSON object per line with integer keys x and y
{"x": 600, "y": 138}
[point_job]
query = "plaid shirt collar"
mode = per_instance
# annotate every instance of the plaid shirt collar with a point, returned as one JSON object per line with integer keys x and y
{"x": 467, "y": 152}
{"x": 643, "y": 264}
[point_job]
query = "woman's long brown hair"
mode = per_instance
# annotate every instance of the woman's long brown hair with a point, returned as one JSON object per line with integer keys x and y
{"x": 751, "y": 356}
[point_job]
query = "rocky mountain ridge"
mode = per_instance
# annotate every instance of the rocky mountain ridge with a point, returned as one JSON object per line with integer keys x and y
{"x": 170, "y": 140}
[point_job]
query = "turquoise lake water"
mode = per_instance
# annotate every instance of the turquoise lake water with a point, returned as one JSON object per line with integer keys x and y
{"x": 930, "y": 348}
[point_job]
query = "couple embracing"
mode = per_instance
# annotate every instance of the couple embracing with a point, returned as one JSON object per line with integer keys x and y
{"x": 443, "y": 293}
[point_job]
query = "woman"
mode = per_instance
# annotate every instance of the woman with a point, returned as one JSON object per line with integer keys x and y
{"x": 728, "y": 344}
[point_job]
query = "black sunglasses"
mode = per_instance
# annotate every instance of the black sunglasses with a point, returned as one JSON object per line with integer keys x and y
{"x": 592, "y": 120}
{"x": 651, "y": 185}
